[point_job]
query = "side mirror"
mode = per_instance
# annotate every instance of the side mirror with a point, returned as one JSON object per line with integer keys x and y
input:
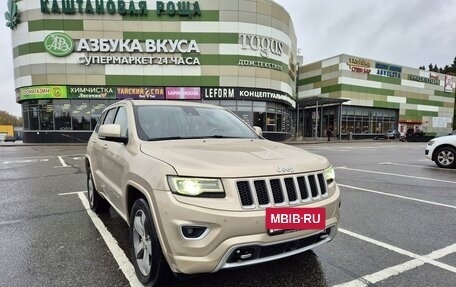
{"x": 258, "y": 130}
{"x": 111, "y": 132}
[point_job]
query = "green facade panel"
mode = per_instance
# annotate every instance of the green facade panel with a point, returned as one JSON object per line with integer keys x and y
{"x": 30, "y": 48}
{"x": 195, "y": 81}
{"x": 356, "y": 89}
{"x": 55, "y": 24}
{"x": 203, "y": 38}
{"x": 388, "y": 80}
{"x": 310, "y": 80}
{"x": 415, "y": 101}
{"x": 445, "y": 94}
{"x": 386, "y": 105}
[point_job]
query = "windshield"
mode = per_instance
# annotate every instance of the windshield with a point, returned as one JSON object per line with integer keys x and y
{"x": 186, "y": 122}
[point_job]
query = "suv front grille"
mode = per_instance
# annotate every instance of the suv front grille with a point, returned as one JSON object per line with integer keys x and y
{"x": 281, "y": 191}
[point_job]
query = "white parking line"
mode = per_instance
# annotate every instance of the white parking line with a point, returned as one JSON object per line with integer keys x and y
{"x": 412, "y": 165}
{"x": 62, "y": 161}
{"x": 398, "y": 196}
{"x": 26, "y": 161}
{"x": 71, "y": 193}
{"x": 400, "y": 268}
{"x": 394, "y": 174}
{"x": 120, "y": 257}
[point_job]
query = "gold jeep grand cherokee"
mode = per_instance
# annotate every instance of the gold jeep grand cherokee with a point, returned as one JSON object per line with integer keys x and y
{"x": 193, "y": 182}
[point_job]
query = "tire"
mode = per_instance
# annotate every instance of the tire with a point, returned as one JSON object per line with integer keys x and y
{"x": 445, "y": 157}
{"x": 150, "y": 266}
{"x": 97, "y": 203}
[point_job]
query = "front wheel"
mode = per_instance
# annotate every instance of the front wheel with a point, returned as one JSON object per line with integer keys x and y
{"x": 150, "y": 266}
{"x": 446, "y": 157}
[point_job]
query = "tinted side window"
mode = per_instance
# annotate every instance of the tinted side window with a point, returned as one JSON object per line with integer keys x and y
{"x": 100, "y": 120}
{"x": 109, "y": 119}
{"x": 121, "y": 119}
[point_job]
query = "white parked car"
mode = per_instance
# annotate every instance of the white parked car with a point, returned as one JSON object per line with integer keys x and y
{"x": 442, "y": 151}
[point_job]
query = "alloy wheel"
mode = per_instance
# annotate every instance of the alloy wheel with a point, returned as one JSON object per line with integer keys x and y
{"x": 142, "y": 242}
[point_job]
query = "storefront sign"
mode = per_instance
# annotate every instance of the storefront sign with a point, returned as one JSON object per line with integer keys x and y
{"x": 174, "y": 93}
{"x": 134, "y": 46}
{"x": 130, "y": 60}
{"x": 388, "y": 70}
{"x": 12, "y": 15}
{"x": 91, "y": 92}
{"x": 260, "y": 64}
{"x": 360, "y": 70}
{"x": 358, "y": 62}
{"x": 359, "y": 65}
{"x": 424, "y": 80}
{"x": 141, "y": 93}
{"x": 433, "y": 76}
{"x": 253, "y": 94}
{"x": 264, "y": 45}
{"x": 449, "y": 83}
{"x": 181, "y": 8}
{"x": 43, "y": 92}
{"x": 387, "y": 67}
{"x": 389, "y": 74}
{"x": 59, "y": 44}
{"x": 71, "y": 7}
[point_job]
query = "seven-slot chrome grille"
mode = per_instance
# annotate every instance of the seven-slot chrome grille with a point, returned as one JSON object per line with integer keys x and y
{"x": 281, "y": 191}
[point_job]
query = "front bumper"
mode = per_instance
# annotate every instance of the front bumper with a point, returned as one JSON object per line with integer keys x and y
{"x": 229, "y": 234}
{"x": 428, "y": 153}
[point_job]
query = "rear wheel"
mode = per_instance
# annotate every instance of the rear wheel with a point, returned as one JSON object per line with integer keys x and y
{"x": 97, "y": 203}
{"x": 446, "y": 157}
{"x": 150, "y": 265}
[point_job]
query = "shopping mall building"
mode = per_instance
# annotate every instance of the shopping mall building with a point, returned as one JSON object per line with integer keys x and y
{"x": 363, "y": 98}
{"x": 72, "y": 58}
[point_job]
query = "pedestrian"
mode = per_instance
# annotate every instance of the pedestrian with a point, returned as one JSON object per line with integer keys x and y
{"x": 329, "y": 134}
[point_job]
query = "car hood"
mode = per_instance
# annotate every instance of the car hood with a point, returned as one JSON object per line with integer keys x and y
{"x": 233, "y": 158}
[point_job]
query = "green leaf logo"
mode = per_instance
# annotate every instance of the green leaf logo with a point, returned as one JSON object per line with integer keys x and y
{"x": 12, "y": 15}
{"x": 59, "y": 44}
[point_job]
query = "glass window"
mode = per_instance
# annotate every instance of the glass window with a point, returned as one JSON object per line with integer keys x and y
{"x": 365, "y": 120}
{"x": 270, "y": 122}
{"x": 95, "y": 112}
{"x": 280, "y": 123}
{"x": 121, "y": 119}
{"x": 109, "y": 119}
{"x": 46, "y": 111}
{"x": 33, "y": 117}
{"x": 80, "y": 115}
{"x": 25, "y": 116}
{"x": 62, "y": 116}
{"x": 177, "y": 122}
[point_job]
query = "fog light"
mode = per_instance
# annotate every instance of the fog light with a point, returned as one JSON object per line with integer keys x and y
{"x": 325, "y": 234}
{"x": 193, "y": 232}
{"x": 242, "y": 254}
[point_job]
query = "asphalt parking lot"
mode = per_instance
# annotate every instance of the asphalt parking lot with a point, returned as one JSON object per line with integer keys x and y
{"x": 397, "y": 224}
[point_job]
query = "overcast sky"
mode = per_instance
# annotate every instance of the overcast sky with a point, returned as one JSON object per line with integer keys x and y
{"x": 403, "y": 32}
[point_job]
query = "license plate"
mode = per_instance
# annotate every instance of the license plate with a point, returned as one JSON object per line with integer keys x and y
{"x": 281, "y": 220}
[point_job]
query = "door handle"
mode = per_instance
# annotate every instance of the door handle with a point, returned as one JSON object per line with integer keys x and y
{"x": 105, "y": 146}
{"x": 94, "y": 140}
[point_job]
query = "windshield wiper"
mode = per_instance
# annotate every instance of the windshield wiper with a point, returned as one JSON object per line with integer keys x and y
{"x": 195, "y": 137}
{"x": 166, "y": 138}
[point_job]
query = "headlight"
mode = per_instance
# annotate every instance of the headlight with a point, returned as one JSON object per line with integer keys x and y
{"x": 431, "y": 142}
{"x": 330, "y": 175}
{"x": 199, "y": 187}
